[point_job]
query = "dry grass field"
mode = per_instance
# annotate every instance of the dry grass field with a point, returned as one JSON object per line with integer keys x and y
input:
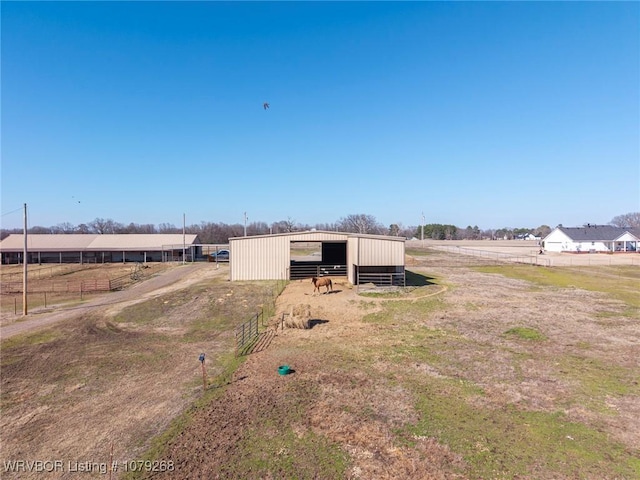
{"x": 480, "y": 369}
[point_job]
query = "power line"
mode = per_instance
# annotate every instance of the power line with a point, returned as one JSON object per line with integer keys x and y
{"x": 13, "y": 211}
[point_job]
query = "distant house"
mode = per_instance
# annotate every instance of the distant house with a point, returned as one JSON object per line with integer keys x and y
{"x": 92, "y": 248}
{"x": 592, "y": 239}
{"x": 527, "y": 236}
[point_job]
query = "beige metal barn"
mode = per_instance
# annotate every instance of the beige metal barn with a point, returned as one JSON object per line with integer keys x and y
{"x": 361, "y": 258}
{"x": 94, "y": 248}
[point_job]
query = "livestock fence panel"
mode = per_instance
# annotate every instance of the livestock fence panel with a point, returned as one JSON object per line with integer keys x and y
{"x": 300, "y": 271}
{"x": 70, "y": 286}
{"x": 382, "y": 279}
{"x": 484, "y": 256}
{"x": 248, "y": 333}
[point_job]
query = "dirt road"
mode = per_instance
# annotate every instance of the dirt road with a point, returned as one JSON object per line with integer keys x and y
{"x": 174, "y": 278}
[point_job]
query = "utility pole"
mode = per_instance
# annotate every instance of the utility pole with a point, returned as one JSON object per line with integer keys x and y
{"x": 245, "y": 224}
{"x": 184, "y": 242}
{"x": 422, "y": 230}
{"x": 24, "y": 265}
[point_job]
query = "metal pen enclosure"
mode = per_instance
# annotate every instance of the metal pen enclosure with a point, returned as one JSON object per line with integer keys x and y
{"x": 268, "y": 257}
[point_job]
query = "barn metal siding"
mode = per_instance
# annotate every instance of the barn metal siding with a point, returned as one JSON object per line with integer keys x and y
{"x": 259, "y": 258}
{"x": 375, "y": 252}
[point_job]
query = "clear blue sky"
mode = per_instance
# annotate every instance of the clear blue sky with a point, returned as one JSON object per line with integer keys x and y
{"x": 495, "y": 114}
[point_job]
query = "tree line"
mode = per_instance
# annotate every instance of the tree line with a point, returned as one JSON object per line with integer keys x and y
{"x": 219, "y": 233}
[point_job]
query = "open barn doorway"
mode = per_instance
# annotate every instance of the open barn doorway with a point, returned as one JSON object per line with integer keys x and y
{"x": 317, "y": 259}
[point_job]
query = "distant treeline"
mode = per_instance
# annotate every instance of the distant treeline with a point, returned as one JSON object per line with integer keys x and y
{"x": 219, "y": 233}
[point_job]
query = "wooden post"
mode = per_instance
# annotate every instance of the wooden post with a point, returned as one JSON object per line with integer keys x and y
{"x": 204, "y": 373}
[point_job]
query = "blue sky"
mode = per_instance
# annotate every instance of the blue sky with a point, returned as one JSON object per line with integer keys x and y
{"x": 495, "y": 114}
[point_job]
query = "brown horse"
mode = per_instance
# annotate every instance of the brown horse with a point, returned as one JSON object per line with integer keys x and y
{"x": 321, "y": 282}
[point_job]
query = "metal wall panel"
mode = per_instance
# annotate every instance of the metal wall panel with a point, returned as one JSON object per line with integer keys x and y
{"x": 259, "y": 258}
{"x": 374, "y": 252}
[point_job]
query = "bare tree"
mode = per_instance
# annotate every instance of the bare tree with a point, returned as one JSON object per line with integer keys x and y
{"x": 284, "y": 226}
{"x": 65, "y": 227}
{"x": 36, "y": 230}
{"x": 630, "y": 220}
{"x": 360, "y": 223}
{"x": 83, "y": 228}
{"x": 257, "y": 228}
{"x": 542, "y": 231}
{"x": 168, "y": 228}
{"x": 102, "y": 226}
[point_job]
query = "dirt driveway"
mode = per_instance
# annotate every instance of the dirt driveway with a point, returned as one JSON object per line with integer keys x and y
{"x": 176, "y": 277}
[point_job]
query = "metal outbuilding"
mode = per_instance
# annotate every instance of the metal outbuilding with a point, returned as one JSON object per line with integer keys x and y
{"x": 361, "y": 258}
{"x": 95, "y": 248}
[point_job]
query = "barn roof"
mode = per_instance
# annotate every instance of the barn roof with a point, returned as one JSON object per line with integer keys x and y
{"x": 94, "y": 242}
{"x": 323, "y": 234}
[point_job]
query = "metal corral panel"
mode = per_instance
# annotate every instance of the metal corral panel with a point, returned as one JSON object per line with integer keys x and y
{"x": 259, "y": 258}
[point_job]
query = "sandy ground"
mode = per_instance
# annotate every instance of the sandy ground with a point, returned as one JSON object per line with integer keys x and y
{"x": 524, "y": 251}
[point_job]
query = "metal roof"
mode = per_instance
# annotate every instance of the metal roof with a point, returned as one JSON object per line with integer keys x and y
{"x": 594, "y": 233}
{"x": 94, "y": 242}
{"x": 320, "y": 233}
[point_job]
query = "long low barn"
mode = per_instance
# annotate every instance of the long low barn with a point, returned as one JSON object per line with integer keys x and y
{"x": 361, "y": 258}
{"x": 94, "y": 248}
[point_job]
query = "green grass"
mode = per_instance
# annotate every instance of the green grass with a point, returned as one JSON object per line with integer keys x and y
{"x": 286, "y": 455}
{"x": 504, "y": 442}
{"x": 617, "y": 282}
{"x": 421, "y": 252}
{"x": 404, "y": 312}
{"x": 21, "y": 341}
{"x": 597, "y": 380}
{"x": 510, "y": 443}
{"x": 526, "y": 333}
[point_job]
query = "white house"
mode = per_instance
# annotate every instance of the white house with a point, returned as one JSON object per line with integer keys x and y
{"x": 592, "y": 239}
